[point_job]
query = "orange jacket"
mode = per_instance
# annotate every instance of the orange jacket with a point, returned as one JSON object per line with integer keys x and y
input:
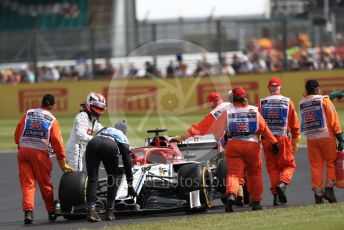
{"x": 206, "y": 126}
{"x": 56, "y": 140}
{"x": 293, "y": 124}
{"x": 332, "y": 118}
{"x": 203, "y": 127}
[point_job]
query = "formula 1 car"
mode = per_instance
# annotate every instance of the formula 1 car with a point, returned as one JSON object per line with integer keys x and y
{"x": 165, "y": 178}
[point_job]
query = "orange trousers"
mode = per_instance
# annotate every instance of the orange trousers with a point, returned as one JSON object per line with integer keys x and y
{"x": 281, "y": 166}
{"x": 243, "y": 155}
{"x": 35, "y": 165}
{"x": 322, "y": 151}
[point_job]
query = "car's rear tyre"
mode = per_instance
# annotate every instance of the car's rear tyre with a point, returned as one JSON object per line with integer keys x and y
{"x": 224, "y": 200}
{"x": 192, "y": 177}
{"x": 72, "y": 190}
{"x": 221, "y": 174}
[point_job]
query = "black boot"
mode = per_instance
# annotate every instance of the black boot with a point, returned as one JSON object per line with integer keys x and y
{"x": 52, "y": 216}
{"x": 109, "y": 215}
{"x": 256, "y": 206}
{"x": 318, "y": 199}
{"x": 275, "y": 201}
{"x": 230, "y": 203}
{"x": 92, "y": 216}
{"x": 329, "y": 195}
{"x": 28, "y": 217}
{"x": 280, "y": 188}
{"x": 239, "y": 201}
{"x": 246, "y": 195}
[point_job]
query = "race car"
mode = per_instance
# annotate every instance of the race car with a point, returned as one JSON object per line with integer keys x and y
{"x": 165, "y": 179}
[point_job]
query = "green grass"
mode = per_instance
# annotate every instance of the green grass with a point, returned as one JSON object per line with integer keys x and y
{"x": 312, "y": 217}
{"x": 136, "y": 132}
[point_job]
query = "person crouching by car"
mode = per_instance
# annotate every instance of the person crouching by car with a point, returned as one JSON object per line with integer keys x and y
{"x": 105, "y": 147}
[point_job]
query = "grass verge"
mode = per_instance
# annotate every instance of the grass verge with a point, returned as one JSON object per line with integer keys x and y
{"x": 312, "y": 217}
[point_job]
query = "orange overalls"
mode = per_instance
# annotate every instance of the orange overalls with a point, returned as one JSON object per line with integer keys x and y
{"x": 320, "y": 123}
{"x": 208, "y": 125}
{"x": 244, "y": 125}
{"x": 281, "y": 117}
{"x": 35, "y": 130}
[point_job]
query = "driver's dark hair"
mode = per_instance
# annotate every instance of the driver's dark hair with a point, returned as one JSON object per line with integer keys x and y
{"x": 239, "y": 99}
{"x": 312, "y": 87}
{"x": 83, "y": 107}
{"x": 89, "y": 114}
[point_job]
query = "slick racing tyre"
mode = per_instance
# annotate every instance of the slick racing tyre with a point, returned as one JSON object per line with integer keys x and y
{"x": 72, "y": 191}
{"x": 192, "y": 177}
{"x": 221, "y": 174}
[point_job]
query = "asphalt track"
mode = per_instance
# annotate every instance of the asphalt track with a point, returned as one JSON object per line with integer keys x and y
{"x": 11, "y": 215}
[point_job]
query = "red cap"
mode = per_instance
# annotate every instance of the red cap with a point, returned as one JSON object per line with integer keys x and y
{"x": 214, "y": 96}
{"x": 239, "y": 92}
{"x": 275, "y": 81}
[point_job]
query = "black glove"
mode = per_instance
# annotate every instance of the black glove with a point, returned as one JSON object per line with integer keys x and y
{"x": 131, "y": 191}
{"x": 340, "y": 139}
{"x": 275, "y": 148}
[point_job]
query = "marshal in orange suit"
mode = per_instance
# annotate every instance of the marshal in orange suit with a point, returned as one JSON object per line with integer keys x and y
{"x": 207, "y": 126}
{"x": 320, "y": 124}
{"x": 281, "y": 117}
{"x": 36, "y": 130}
{"x": 244, "y": 126}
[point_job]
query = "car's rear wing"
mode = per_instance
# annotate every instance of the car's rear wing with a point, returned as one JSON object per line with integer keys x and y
{"x": 209, "y": 138}
{"x": 206, "y": 141}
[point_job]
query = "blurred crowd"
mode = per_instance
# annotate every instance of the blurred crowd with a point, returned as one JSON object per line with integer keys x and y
{"x": 45, "y": 73}
{"x": 244, "y": 62}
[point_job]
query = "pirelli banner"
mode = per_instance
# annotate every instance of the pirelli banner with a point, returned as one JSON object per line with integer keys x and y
{"x": 173, "y": 96}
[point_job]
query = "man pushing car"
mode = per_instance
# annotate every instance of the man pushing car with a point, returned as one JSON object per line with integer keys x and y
{"x": 207, "y": 126}
{"x": 105, "y": 147}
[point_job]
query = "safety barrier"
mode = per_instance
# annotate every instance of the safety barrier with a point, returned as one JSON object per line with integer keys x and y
{"x": 163, "y": 96}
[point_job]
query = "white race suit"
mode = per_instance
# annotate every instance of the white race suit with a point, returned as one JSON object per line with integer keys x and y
{"x": 83, "y": 129}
